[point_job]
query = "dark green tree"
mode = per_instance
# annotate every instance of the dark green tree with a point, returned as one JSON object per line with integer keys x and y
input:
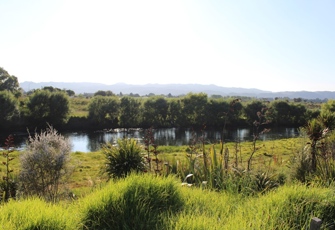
{"x": 46, "y": 107}
{"x": 104, "y": 110}
{"x": 51, "y": 89}
{"x": 154, "y": 112}
{"x": 217, "y": 110}
{"x": 129, "y": 112}
{"x": 38, "y": 106}
{"x": 104, "y": 93}
{"x": 298, "y": 114}
{"x": 9, "y": 107}
{"x": 235, "y": 111}
{"x": 70, "y": 93}
{"x": 250, "y": 110}
{"x": 194, "y": 109}
{"x": 281, "y": 113}
{"x": 59, "y": 106}
{"x": 9, "y": 82}
{"x": 174, "y": 117}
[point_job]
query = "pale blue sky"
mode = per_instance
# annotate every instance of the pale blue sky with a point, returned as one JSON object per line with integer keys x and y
{"x": 277, "y": 45}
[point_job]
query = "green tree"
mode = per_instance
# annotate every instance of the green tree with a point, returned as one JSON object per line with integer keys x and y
{"x": 154, "y": 112}
{"x": 46, "y": 107}
{"x": 51, "y": 89}
{"x": 217, "y": 110}
{"x": 281, "y": 113}
{"x": 104, "y": 110}
{"x": 104, "y": 93}
{"x": 9, "y": 82}
{"x": 174, "y": 112}
{"x": 298, "y": 114}
{"x": 9, "y": 107}
{"x": 194, "y": 109}
{"x": 59, "y": 106}
{"x": 129, "y": 112}
{"x": 235, "y": 111}
{"x": 250, "y": 110}
{"x": 38, "y": 106}
{"x": 70, "y": 93}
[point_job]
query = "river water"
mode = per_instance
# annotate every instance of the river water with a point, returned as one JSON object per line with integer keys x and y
{"x": 88, "y": 142}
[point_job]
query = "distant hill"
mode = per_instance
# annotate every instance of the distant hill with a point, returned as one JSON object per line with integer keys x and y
{"x": 176, "y": 90}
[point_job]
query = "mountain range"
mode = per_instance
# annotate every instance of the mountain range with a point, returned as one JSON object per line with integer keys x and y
{"x": 176, "y": 90}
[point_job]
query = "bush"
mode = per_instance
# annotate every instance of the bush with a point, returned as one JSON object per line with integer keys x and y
{"x": 123, "y": 158}
{"x": 44, "y": 164}
{"x": 136, "y": 202}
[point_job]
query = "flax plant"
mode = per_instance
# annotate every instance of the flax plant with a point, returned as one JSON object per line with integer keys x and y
{"x": 9, "y": 185}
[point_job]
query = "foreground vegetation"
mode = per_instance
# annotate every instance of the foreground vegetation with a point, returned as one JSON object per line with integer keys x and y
{"x": 146, "y": 201}
{"x": 269, "y": 196}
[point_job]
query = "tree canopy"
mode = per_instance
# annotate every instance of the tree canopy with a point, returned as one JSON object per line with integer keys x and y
{"x": 9, "y": 82}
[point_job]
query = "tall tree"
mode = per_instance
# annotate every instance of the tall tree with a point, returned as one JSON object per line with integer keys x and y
{"x": 174, "y": 112}
{"x": 217, "y": 111}
{"x": 104, "y": 110}
{"x": 129, "y": 112}
{"x": 59, "y": 105}
{"x": 281, "y": 113}
{"x": 194, "y": 109}
{"x": 155, "y": 110}
{"x": 9, "y": 82}
{"x": 46, "y": 107}
{"x": 9, "y": 108}
{"x": 250, "y": 110}
{"x": 104, "y": 93}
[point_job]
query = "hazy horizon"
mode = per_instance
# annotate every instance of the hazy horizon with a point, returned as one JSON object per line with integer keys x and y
{"x": 273, "y": 45}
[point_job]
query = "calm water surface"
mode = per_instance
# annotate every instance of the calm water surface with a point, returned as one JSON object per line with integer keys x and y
{"x": 88, "y": 142}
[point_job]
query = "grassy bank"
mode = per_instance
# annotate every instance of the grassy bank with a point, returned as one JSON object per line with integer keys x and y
{"x": 272, "y": 156}
{"x": 150, "y": 202}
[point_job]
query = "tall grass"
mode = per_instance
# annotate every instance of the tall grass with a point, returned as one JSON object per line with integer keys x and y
{"x": 36, "y": 214}
{"x": 210, "y": 168}
{"x": 146, "y": 201}
{"x": 290, "y": 207}
{"x": 137, "y": 202}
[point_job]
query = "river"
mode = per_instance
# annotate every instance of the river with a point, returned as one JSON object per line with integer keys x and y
{"x": 88, "y": 142}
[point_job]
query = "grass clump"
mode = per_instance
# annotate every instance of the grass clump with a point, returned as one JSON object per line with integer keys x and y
{"x": 137, "y": 202}
{"x": 290, "y": 207}
{"x": 205, "y": 209}
{"x": 35, "y": 214}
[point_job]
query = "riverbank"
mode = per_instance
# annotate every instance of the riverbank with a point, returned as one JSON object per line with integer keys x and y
{"x": 87, "y": 167}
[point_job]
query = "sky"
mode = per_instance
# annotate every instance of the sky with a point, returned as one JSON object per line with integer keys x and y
{"x": 276, "y": 45}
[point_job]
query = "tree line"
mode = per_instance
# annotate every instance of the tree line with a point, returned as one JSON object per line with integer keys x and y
{"x": 106, "y": 110}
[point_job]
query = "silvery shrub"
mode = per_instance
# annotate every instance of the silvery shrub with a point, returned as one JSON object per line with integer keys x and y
{"x": 44, "y": 164}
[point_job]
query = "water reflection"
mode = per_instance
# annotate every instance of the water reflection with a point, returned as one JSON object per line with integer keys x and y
{"x": 88, "y": 142}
